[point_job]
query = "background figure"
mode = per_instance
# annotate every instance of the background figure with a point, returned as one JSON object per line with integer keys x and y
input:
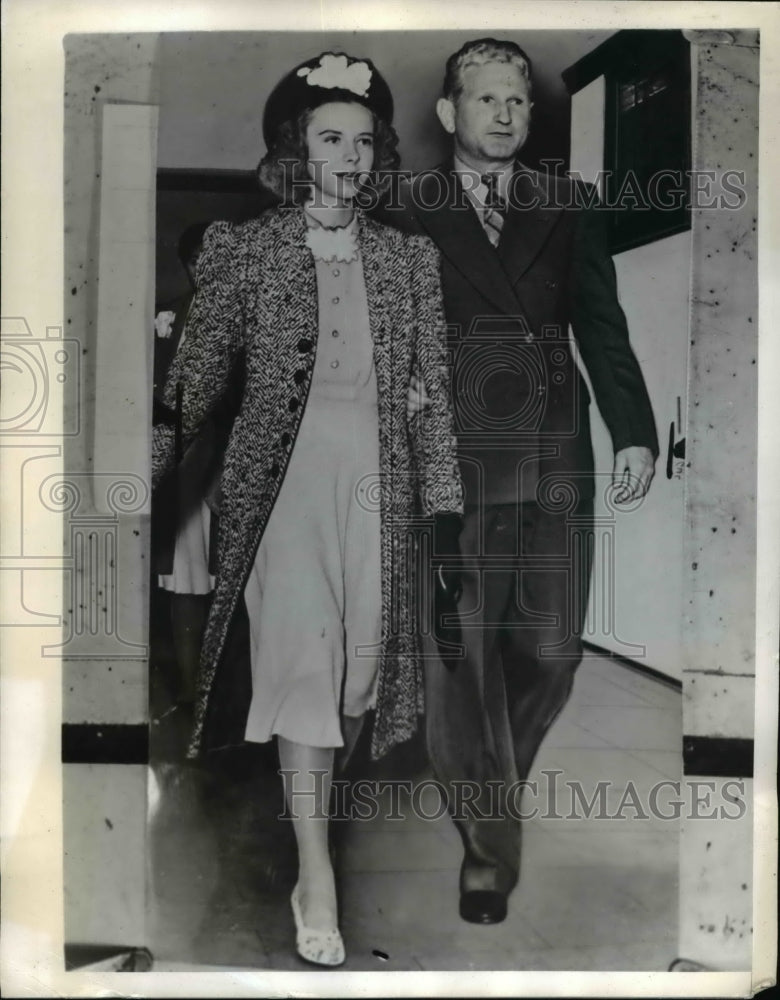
{"x": 522, "y": 261}
{"x": 181, "y": 524}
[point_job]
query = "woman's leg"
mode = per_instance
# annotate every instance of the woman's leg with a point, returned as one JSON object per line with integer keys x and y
{"x": 351, "y": 727}
{"x": 307, "y": 782}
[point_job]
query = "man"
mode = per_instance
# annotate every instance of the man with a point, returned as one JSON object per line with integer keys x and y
{"x": 522, "y": 261}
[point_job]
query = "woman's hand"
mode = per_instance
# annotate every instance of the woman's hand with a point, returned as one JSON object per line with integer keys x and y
{"x": 450, "y": 581}
{"x": 417, "y": 397}
{"x": 447, "y": 529}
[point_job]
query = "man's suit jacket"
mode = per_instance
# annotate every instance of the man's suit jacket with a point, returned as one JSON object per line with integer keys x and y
{"x": 521, "y": 405}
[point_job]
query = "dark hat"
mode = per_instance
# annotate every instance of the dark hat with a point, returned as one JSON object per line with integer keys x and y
{"x": 330, "y": 76}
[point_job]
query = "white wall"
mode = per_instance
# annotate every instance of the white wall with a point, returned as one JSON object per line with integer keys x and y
{"x": 719, "y": 625}
{"x": 720, "y": 539}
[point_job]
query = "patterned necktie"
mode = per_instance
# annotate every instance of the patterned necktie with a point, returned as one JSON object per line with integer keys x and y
{"x": 495, "y": 209}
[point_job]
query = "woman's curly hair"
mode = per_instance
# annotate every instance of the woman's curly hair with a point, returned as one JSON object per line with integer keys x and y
{"x": 283, "y": 168}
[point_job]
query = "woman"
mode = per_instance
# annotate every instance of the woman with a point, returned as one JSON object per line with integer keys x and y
{"x": 323, "y": 470}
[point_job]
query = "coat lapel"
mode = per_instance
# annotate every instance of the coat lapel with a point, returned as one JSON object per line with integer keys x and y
{"x": 453, "y": 225}
{"x": 530, "y": 219}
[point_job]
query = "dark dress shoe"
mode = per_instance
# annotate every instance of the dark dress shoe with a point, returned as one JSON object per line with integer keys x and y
{"x": 483, "y": 906}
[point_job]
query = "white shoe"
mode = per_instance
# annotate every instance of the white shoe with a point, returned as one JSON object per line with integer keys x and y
{"x": 318, "y": 947}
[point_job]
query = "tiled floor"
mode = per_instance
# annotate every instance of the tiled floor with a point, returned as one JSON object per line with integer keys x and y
{"x": 594, "y": 893}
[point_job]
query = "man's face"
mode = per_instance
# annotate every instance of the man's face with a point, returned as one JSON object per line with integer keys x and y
{"x": 491, "y": 117}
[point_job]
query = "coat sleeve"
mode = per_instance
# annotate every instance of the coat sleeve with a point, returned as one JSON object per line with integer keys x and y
{"x": 432, "y": 430}
{"x": 212, "y": 338}
{"x": 599, "y": 326}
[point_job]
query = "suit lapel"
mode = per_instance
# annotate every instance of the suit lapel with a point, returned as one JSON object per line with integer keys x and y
{"x": 453, "y": 225}
{"x": 529, "y": 222}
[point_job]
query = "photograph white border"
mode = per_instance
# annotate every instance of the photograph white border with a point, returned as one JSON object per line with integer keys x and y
{"x": 32, "y": 285}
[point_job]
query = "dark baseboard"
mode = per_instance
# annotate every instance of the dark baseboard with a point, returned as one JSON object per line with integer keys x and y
{"x": 703, "y": 756}
{"x": 640, "y": 668}
{"x": 717, "y": 757}
{"x": 107, "y": 957}
{"x": 88, "y": 743}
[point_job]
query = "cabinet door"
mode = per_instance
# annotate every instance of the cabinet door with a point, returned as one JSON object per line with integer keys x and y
{"x": 636, "y": 588}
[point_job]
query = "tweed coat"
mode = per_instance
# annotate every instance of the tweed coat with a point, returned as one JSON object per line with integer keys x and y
{"x": 199, "y": 473}
{"x": 257, "y": 292}
{"x": 521, "y": 405}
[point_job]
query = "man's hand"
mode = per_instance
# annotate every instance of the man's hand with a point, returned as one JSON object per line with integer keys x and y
{"x": 632, "y": 473}
{"x": 416, "y": 397}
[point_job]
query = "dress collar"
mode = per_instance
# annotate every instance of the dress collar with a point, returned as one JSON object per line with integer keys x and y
{"x": 331, "y": 245}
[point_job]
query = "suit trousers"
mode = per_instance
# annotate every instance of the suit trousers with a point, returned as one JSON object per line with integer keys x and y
{"x": 525, "y": 573}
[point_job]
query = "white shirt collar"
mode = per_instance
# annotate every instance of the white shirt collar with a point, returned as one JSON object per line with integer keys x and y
{"x": 472, "y": 182}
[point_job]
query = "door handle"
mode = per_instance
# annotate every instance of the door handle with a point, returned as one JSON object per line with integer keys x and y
{"x": 675, "y": 449}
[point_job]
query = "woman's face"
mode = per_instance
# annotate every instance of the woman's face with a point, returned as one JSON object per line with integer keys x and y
{"x": 340, "y": 141}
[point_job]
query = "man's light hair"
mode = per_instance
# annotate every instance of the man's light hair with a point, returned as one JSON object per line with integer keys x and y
{"x": 477, "y": 53}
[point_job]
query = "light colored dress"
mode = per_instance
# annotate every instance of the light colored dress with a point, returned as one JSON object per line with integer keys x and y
{"x": 314, "y": 593}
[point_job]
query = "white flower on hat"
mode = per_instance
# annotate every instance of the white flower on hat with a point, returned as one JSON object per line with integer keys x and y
{"x": 335, "y": 71}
